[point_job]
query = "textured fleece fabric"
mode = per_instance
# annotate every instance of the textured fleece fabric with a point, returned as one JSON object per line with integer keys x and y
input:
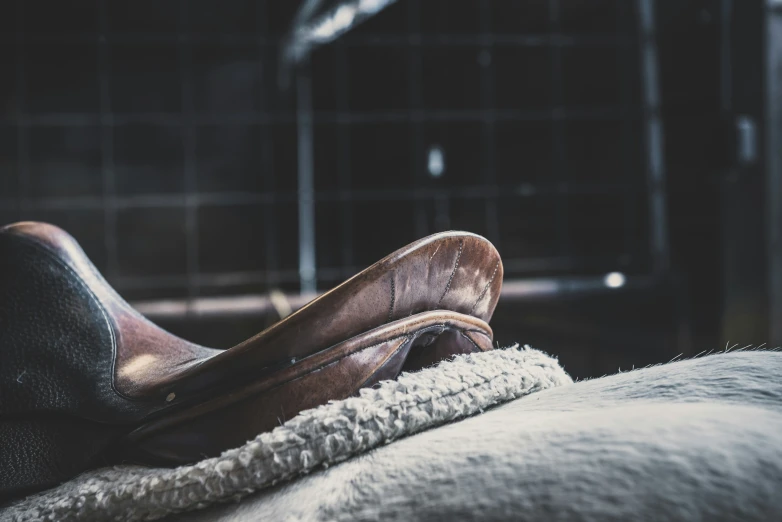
{"x": 692, "y": 440}
{"x": 319, "y": 437}
{"x": 695, "y": 440}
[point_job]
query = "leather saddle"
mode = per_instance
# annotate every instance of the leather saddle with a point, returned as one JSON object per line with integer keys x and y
{"x": 86, "y": 381}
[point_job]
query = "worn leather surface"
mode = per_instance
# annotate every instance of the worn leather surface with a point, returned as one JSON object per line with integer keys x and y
{"x": 71, "y": 347}
{"x": 334, "y": 374}
{"x": 454, "y": 271}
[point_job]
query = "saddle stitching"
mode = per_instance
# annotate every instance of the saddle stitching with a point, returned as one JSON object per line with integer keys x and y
{"x": 453, "y": 273}
{"x": 486, "y": 288}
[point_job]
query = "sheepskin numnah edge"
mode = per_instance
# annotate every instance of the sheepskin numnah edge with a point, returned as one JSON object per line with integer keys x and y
{"x": 452, "y": 390}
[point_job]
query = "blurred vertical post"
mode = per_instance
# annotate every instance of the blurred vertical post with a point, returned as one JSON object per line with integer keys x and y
{"x": 316, "y": 22}
{"x": 774, "y": 166}
{"x": 746, "y": 184}
{"x": 653, "y": 135}
{"x": 306, "y": 193}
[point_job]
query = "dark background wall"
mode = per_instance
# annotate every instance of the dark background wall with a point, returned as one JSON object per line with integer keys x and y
{"x": 157, "y": 134}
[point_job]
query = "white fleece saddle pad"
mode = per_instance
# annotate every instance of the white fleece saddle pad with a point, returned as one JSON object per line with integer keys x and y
{"x": 316, "y": 438}
{"x": 692, "y": 440}
{"x": 697, "y": 439}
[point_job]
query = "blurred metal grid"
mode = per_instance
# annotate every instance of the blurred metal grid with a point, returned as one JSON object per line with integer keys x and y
{"x": 488, "y": 190}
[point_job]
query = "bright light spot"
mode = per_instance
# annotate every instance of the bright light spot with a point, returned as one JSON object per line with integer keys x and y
{"x": 138, "y": 365}
{"x": 436, "y": 162}
{"x": 327, "y": 26}
{"x": 371, "y": 7}
{"x": 344, "y": 16}
{"x": 340, "y": 21}
{"x": 614, "y": 280}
